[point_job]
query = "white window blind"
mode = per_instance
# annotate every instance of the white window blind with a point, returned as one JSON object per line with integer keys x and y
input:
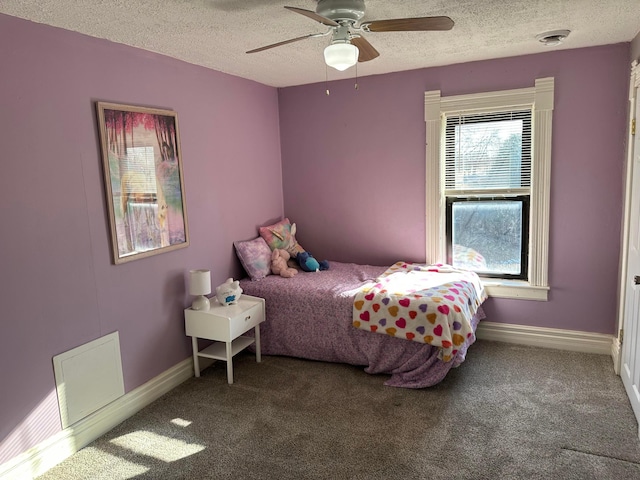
{"x": 488, "y": 153}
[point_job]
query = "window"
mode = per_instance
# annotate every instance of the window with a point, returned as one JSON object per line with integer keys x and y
{"x": 488, "y": 165}
{"x": 489, "y": 235}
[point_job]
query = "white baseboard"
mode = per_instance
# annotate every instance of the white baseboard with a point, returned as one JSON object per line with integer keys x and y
{"x": 573, "y": 340}
{"x": 55, "y": 449}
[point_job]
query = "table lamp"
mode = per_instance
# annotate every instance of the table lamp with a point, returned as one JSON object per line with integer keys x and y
{"x": 200, "y": 285}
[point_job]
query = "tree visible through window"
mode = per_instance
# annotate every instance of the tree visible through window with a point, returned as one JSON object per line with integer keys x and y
{"x": 489, "y": 236}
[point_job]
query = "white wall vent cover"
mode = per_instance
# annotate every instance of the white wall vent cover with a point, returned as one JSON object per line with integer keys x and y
{"x": 88, "y": 377}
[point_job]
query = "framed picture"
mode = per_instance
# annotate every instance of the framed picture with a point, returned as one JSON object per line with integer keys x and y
{"x": 143, "y": 180}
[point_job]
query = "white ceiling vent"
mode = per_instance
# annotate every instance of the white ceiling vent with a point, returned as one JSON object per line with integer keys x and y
{"x": 553, "y": 38}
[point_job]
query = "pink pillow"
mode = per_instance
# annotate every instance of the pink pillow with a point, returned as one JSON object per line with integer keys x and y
{"x": 255, "y": 256}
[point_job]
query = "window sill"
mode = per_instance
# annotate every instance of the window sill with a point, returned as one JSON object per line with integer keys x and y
{"x": 514, "y": 289}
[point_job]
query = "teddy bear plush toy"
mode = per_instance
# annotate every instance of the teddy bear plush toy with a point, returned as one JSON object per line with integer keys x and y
{"x": 279, "y": 265}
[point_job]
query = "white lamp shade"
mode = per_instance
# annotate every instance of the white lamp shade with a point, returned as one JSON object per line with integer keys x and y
{"x": 341, "y": 55}
{"x": 199, "y": 282}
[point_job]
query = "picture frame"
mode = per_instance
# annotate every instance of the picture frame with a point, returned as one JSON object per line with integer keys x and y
{"x": 143, "y": 179}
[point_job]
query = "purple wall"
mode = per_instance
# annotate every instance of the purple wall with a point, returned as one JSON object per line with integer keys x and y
{"x": 353, "y": 169}
{"x": 59, "y": 288}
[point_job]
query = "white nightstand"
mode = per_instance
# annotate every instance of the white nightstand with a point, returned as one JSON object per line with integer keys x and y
{"x": 225, "y": 325}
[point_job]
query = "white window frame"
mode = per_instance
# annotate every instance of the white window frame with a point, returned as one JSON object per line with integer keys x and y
{"x": 540, "y": 99}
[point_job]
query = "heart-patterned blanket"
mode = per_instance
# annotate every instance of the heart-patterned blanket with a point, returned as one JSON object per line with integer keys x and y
{"x": 424, "y": 303}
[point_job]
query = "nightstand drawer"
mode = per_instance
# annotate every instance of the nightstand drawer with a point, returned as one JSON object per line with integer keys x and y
{"x": 247, "y": 320}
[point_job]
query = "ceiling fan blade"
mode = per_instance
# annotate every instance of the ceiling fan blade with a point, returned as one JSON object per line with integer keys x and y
{"x": 409, "y": 24}
{"x": 314, "y": 16}
{"x": 367, "y": 52}
{"x": 282, "y": 43}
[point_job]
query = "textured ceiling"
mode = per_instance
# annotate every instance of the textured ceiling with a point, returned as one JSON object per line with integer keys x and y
{"x": 217, "y": 33}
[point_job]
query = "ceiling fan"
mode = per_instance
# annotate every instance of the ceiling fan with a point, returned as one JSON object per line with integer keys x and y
{"x": 348, "y": 45}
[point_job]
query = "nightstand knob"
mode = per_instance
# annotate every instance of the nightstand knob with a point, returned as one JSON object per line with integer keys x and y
{"x": 247, "y": 318}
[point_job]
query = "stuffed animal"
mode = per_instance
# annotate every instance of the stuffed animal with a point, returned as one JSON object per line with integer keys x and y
{"x": 279, "y": 265}
{"x": 282, "y": 235}
{"x": 229, "y": 292}
{"x": 309, "y": 264}
{"x": 292, "y": 246}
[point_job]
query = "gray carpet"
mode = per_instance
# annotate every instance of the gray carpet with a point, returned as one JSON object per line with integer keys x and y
{"x": 508, "y": 412}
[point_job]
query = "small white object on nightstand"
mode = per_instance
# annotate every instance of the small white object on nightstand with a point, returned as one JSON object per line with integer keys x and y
{"x": 225, "y": 325}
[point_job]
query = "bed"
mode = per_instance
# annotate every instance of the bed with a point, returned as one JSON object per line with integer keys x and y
{"x": 318, "y": 316}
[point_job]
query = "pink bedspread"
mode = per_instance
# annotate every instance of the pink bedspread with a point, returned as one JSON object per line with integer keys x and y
{"x": 302, "y": 322}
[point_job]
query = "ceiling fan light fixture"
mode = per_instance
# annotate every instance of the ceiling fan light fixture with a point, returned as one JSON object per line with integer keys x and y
{"x": 341, "y": 55}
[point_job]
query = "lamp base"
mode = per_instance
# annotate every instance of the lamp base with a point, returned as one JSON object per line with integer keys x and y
{"x": 200, "y": 303}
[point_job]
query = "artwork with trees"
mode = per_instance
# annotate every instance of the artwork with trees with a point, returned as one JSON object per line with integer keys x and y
{"x": 143, "y": 178}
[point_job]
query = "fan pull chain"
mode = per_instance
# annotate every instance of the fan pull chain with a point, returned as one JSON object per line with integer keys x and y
{"x": 356, "y": 85}
{"x": 326, "y": 79}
